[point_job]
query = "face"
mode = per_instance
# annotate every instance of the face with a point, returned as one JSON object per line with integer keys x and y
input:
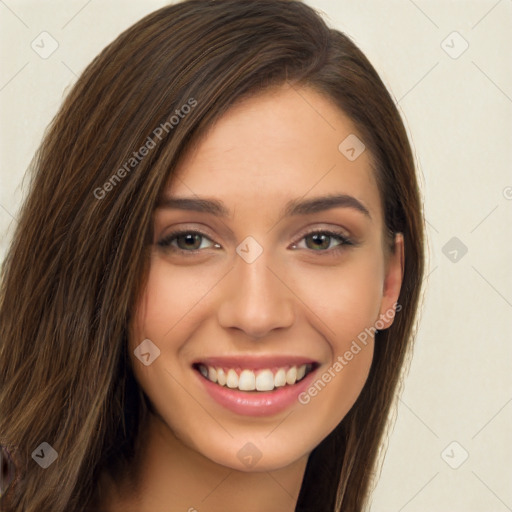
{"x": 263, "y": 297}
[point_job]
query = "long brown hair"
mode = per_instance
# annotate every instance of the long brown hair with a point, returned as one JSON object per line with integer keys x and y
{"x": 79, "y": 257}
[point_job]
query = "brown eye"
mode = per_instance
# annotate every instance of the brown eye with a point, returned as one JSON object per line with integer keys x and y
{"x": 322, "y": 241}
{"x": 318, "y": 241}
{"x": 189, "y": 241}
{"x": 186, "y": 241}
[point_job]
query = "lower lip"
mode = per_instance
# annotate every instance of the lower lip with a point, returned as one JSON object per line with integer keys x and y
{"x": 256, "y": 403}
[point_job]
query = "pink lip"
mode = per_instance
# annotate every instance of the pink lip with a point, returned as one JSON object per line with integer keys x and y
{"x": 256, "y": 403}
{"x": 255, "y": 362}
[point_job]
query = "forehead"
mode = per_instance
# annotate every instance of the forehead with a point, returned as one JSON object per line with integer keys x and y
{"x": 279, "y": 145}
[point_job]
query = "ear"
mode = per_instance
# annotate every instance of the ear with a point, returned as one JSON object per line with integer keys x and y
{"x": 392, "y": 283}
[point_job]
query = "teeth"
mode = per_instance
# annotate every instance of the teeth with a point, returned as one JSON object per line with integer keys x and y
{"x": 265, "y": 381}
{"x": 280, "y": 378}
{"x": 247, "y": 381}
{"x": 291, "y": 375}
{"x": 261, "y": 380}
{"x": 221, "y": 377}
{"x": 232, "y": 379}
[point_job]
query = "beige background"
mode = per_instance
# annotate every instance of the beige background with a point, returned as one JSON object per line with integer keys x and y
{"x": 458, "y": 109}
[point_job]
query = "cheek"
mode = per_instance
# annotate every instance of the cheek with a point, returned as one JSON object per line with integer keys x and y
{"x": 169, "y": 299}
{"x": 343, "y": 303}
{"x": 336, "y": 386}
{"x": 345, "y": 298}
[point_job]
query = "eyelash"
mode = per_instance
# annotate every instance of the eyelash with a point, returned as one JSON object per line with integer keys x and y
{"x": 165, "y": 242}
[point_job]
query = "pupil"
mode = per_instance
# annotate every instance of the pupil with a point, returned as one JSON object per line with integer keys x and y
{"x": 321, "y": 240}
{"x": 191, "y": 240}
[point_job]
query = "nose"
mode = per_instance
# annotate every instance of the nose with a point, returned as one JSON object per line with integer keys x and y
{"x": 255, "y": 299}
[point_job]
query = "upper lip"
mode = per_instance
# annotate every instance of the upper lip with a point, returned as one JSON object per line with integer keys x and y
{"x": 254, "y": 362}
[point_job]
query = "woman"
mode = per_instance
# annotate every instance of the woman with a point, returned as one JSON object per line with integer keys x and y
{"x": 213, "y": 286}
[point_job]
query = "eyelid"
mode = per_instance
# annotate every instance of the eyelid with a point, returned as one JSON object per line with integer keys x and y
{"x": 319, "y": 228}
{"x": 181, "y": 228}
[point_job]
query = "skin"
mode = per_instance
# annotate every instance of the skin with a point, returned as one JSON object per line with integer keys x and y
{"x": 274, "y": 147}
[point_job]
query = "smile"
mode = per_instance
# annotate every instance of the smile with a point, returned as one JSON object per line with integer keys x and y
{"x": 246, "y": 379}
{"x": 257, "y": 385}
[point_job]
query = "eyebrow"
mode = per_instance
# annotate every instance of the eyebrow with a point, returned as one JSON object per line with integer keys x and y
{"x": 293, "y": 207}
{"x": 319, "y": 204}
